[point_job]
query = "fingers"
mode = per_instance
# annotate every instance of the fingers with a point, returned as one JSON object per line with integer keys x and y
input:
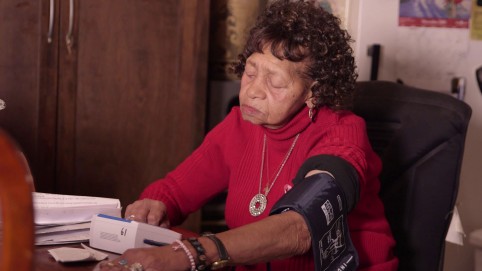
{"x": 165, "y": 224}
{"x": 148, "y": 211}
{"x": 153, "y": 218}
{"x": 118, "y": 265}
{"x": 138, "y": 210}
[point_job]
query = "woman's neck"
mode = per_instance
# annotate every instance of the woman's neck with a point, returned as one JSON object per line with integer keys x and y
{"x": 296, "y": 125}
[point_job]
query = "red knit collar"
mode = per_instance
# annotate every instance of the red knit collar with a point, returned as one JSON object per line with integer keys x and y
{"x": 295, "y": 126}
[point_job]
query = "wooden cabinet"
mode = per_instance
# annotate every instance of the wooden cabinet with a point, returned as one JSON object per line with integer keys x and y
{"x": 116, "y": 106}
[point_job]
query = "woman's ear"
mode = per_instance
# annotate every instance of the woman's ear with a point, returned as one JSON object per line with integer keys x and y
{"x": 309, "y": 95}
{"x": 309, "y": 102}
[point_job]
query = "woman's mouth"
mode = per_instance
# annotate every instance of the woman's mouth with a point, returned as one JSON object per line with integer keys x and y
{"x": 249, "y": 110}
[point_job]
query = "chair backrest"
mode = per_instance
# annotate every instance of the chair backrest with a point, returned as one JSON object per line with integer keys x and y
{"x": 16, "y": 208}
{"x": 420, "y": 136}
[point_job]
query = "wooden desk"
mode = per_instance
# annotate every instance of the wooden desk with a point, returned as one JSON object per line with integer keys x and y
{"x": 43, "y": 261}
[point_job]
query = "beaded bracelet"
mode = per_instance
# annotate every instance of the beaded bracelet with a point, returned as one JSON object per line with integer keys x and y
{"x": 200, "y": 253}
{"x": 187, "y": 251}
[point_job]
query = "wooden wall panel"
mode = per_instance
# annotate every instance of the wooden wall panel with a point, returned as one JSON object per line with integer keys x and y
{"x": 132, "y": 97}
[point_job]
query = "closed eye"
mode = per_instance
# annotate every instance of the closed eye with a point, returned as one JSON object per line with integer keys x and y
{"x": 276, "y": 85}
{"x": 249, "y": 75}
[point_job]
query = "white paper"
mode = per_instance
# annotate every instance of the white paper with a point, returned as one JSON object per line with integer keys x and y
{"x": 62, "y": 228}
{"x": 456, "y": 232}
{"x": 46, "y": 200}
{"x": 70, "y": 209}
{"x": 99, "y": 256}
{"x": 62, "y": 238}
{"x": 62, "y": 234}
{"x": 69, "y": 254}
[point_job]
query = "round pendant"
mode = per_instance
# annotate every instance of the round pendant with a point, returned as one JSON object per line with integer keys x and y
{"x": 257, "y": 204}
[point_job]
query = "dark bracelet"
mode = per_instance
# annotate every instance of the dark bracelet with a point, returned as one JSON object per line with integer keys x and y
{"x": 201, "y": 256}
{"x": 224, "y": 259}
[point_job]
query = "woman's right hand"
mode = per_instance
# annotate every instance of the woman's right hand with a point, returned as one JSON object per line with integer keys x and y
{"x": 148, "y": 211}
{"x": 163, "y": 258}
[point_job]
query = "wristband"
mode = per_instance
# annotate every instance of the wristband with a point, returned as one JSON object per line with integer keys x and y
{"x": 224, "y": 259}
{"x": 200, "y": 253}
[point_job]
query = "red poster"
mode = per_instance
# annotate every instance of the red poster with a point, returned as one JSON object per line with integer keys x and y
{"x": 435, "y": 13}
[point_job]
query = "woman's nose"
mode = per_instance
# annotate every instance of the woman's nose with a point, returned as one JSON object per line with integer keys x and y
{"x": 256, "y": 89}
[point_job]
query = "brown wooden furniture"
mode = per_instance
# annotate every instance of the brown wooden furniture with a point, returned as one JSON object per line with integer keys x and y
{"x": 16, "y": 229}
{"x": 113, "y": 100}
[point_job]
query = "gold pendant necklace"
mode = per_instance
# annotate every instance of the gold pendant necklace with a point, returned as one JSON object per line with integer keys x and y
{"x": 259, "y": 201}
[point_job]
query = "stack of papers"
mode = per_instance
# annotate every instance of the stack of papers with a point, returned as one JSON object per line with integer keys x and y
{"x": 61, "y": 219}
{"x": 64, "y": 234}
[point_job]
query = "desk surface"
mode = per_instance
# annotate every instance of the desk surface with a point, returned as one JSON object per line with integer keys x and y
{"x": 45, "y": 262}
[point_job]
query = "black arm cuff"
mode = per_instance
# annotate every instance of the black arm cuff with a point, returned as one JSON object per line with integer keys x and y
{"x": 321, "y": 203}
{"x": 346, "y": 177}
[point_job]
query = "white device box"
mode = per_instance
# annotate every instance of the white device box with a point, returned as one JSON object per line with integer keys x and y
{"x": 116, "y": 234}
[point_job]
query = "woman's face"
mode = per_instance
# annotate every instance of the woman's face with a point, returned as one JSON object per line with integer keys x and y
{"x": 272, "y": 90}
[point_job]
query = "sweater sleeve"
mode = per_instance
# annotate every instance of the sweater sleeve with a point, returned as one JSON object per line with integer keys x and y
{"x": 347, "y": 138}
{"x": 201, "y": 176}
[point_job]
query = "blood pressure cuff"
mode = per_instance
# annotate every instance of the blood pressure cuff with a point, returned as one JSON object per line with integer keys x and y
{"x": 345, "y": 175}
{"x": 319, "y": 199}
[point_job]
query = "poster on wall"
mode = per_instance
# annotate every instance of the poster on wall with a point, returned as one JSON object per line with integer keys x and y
{"x": 435, "y": 13}
{"x": 476, "y": 21}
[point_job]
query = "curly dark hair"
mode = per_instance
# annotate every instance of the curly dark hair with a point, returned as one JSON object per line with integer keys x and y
{"x": 298, "y": 31}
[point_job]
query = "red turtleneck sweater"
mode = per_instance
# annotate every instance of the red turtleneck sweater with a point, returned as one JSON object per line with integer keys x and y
{"x": 230, "y": 158}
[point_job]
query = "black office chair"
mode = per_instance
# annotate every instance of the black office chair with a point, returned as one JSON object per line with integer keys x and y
{"x": 420, "y": 136}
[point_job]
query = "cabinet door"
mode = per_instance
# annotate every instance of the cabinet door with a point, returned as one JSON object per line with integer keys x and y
{"x": 28, "y": 84}
{"x": 132, "y": 93}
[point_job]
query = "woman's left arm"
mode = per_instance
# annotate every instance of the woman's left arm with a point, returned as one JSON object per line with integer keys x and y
{"x": 275, "y": 237}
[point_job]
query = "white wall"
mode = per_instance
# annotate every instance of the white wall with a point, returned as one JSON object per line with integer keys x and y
{"x": 428, "y": 58}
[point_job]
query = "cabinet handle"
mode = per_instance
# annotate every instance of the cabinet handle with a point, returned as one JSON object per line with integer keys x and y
{"x": 51, "y": 21}
{"x": 68, "y": 38}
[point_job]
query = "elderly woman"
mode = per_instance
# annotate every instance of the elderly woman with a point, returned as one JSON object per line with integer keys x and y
{"x": 301, "y": 176}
